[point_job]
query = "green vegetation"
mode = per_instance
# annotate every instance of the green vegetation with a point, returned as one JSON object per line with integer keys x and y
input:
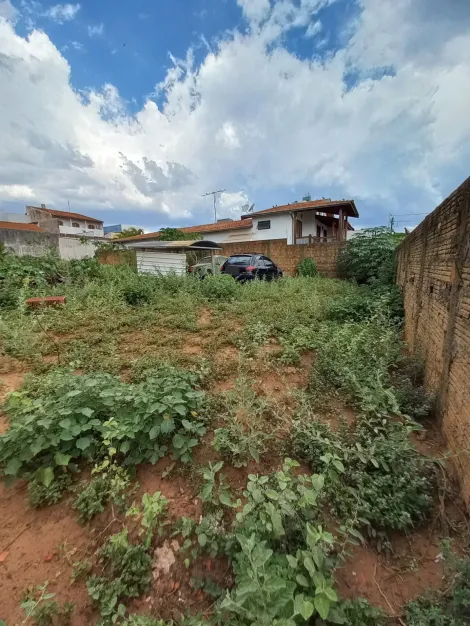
{"x": 41, "y": 609}
{"x": 369, "y": 257}
{"x": 307, "y": 268}
{"x": 451, "y": 607}
{"x": 216, "y": 376}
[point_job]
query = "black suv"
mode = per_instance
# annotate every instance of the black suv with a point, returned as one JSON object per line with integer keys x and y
{"x": 250, "y": 266}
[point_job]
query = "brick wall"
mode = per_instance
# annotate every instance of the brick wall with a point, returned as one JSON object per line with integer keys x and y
{"x": 288, "y": 257}
{"x": 434, "y": 271}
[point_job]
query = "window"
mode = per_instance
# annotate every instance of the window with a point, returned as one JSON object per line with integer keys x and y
{"x": 61, "y": 223}
{"x": 75, "y": 225}
{"x": 264, "y": 225}
{"x": 239, "y": 260}
{"x": 267, "y": 262}
{"x": 91, "y": 227}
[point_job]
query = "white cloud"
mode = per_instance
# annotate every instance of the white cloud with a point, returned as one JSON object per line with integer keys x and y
{"x": 255, "y": 10}
{"x": 251, "y": 118}
{"x": 62, "y": 12}
{"x": 8, "y": 11}
{"x": 96, "y": 30}
{"x": 313, "y": 29}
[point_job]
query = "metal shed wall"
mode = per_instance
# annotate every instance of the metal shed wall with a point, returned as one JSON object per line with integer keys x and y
{"x": 153, "y": 262}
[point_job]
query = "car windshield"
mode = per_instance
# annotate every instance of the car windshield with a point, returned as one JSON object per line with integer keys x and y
{"x": 239, "y": 260}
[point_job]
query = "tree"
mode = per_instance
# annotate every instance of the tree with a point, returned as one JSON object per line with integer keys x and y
{"x": 174, "y": 234}
{"x": 369, "y": 256}
{"x": 132, "y": 231}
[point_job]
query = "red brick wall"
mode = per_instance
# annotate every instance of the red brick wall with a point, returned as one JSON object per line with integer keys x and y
{"x": 434, "y": 271}
{"x": 288, "y": 257}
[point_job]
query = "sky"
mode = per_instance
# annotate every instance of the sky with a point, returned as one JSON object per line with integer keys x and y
{"x": 131, "y": 111}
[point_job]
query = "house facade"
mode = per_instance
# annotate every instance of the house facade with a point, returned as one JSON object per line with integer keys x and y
{"x": 317, "y": 221}
{"x": 65, "y": 223}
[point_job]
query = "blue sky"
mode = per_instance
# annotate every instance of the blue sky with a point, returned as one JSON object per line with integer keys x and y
{"x": 132, "y": 110}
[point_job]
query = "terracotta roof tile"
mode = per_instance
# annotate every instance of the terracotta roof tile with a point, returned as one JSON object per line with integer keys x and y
{"x": 22, "y": 226}
{"x": 203, "y": 229}
{"x": 312, "y": 204}
{"x": 77, "y": 216}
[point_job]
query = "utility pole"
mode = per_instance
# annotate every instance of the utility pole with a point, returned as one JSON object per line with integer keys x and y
{"x": 214, "y": 194}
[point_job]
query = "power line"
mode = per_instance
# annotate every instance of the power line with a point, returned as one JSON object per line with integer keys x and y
{"x": 214, "y": 194}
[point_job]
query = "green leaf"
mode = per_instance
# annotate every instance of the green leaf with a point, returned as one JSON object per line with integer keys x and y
{"x": 217, "y": 467}
{"x": 276, "y": 520}
{"x": 302, "y": 580}
{"x": 202, "y": 538}
{"x": 331, "y": 594}
{"x": 62, "y": 459}
{"x": 292, "y": 561}
{"x": 225, "y": 498}
{"x": 272, "y": 495}
{"x": 180, "y": 409}
{"x": 12, "y": 467}
{"x": 83, "y": 443}
{"x": 65, "y": 423}
{"x": 309, "y": 565}
{"x": 322, "y": 605}
{"x": 167, "y": 426}
{"x": 179, "y": 441}
{"x": 86, "y": 411}
{"x": 338, "y": 465}
{"x": 154, "y": 431}
{"x": 47, "y": 476}
{"x": 306, "y": 610}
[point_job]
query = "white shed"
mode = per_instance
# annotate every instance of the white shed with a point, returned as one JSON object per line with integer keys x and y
{"x": 156, "y": 262}
{"x": 166, "y": 257}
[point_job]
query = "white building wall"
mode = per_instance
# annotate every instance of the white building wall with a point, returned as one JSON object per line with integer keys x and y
{"x": 71, "y": 248}
{"x": 309, "y": 226}
{"x": 150, "y": 262}
{"x": 83, "y": 228}
{"x": 281, "y": 227}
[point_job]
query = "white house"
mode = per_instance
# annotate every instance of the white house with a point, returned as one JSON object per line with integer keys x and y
{"x": 65, "y": 223}
{"x": 298, "y": 223}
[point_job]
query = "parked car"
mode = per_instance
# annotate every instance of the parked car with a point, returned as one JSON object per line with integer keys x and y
{"x": 245, "y": 267}
{"x": 204, "y": 266}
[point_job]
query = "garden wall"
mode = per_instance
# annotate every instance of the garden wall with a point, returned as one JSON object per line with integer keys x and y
{"x": 288, "y": 257}
{"x": 434, "y": 272}
{"x": 26, "y": 242}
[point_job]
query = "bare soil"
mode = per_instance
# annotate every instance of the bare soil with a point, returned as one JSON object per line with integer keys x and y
{"x": 39, "y": 545}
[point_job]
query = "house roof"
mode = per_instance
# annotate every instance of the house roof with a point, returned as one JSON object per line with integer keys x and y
{"x": 324, "y": 205}
{"x": 77, "y": 216}
{"x": 204, "y": 228}
{"x": 21, "y": 226}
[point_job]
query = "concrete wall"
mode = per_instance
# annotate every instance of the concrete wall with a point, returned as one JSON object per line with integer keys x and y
{"x": 281, "y": 227}
{"x": 71, "y": 248}
{"x": 26, "y": 242}
{"x": 434, "y": 272}
{"x": 288, "y": 257}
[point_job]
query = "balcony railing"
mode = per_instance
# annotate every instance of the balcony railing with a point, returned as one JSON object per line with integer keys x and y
{"x": 310, "y": 239}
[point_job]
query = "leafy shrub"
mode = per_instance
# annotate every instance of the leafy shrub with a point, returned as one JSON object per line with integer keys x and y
{"x": 359, "y": 612}
{"x": 126, "y": 574}
{"x": 81, "y": 417}
{"x": 307, "y": 268}
{"x": 42, "y": 495}
{"x": 137, "y": 294}
{"x": 215, "y": 488}
{"x": 369, "y": 256}
{"x": 238, "y": 445}
{"x": 219, "y": 287}
{"x": 384, "y": 480}
{"x": 41, "y": 609}
{"x": 109, "y": 485}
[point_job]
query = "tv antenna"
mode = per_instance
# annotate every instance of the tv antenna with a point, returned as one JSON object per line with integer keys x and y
{"x": 214, "y": 194}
